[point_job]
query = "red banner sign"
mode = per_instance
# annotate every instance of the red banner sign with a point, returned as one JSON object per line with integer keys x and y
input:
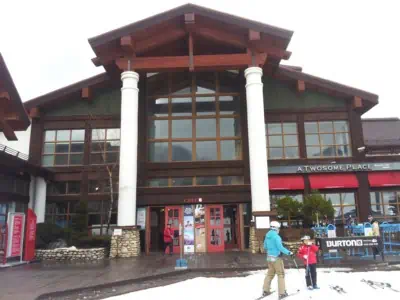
{"x": 16, "y": 235}
{"x": 30, "y": 236}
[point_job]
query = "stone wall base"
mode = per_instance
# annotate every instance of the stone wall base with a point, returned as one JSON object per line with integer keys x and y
{"x": 127, "y": 244}
{"x": 66, "y": 254}
{"x": 257, "y": 242}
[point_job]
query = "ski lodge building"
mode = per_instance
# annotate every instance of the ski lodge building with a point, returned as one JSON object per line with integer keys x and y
{"x": 198, "y": 121}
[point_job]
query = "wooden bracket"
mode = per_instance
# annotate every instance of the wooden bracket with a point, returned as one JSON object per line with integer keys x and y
{"x": 191, "y": 60}
{"x": 254, "y": 35}
{"x": 301, "y": 86}
{"x": 189, "y": 22}
{"x": 8, "y": 131}
{"x": 4, "y": 95}
{"x": 86, "y": 93}
{"x": 357, "y": 102}
{"x": 34, "y": 113}
{"x": 127, "y": 44}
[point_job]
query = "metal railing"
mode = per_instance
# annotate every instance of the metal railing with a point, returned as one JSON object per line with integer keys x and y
{"x": 13, "y": 152}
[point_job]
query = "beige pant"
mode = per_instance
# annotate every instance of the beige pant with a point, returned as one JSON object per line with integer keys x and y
{"x": 277, "y": 268}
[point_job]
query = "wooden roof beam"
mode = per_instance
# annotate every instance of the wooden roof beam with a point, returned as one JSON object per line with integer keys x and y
{"x": 254, "y": 35}
{"x": 199, "y": 61}
{"x": 5, "y": 127}
{"x": 155, "y": 41}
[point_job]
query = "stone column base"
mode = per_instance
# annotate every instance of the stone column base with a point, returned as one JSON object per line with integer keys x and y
{"x": 127, "y": 244}
{"x": 256, "y": 240}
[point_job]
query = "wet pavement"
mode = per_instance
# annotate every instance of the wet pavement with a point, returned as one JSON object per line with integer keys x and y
{"x": 30, "y": 281}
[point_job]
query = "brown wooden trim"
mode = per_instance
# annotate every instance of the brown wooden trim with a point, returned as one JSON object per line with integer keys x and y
{"x": 143, "y": 130}
{"x": 322, "y": 116}
{"x": 301, "y": 136}
{"x": 356, "y": 134}
{"x": 316, "y": 110}
{"x": 363, "y": 197}
{"x": 195, "y": 165}
{"x": 9, "y": 197}
{"x": 195, "y": 172}
{"x": 63, "y": 198}
{"x": 81, "y": 118}
{"x": 271, "y": 213}
{"x": 36, "y": 142}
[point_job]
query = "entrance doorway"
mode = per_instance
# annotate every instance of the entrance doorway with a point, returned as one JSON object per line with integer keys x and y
{"x": 215, "y": 231}
{"x": 231, "y": 227}
{"x": 157, "y": 225}
{"x": 174, "y": 216}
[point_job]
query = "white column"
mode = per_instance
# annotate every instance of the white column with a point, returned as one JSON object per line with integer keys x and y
{"x": 257, "y": 140}
{"x": 40, "y": 199}
{"x": 128, "y": 149}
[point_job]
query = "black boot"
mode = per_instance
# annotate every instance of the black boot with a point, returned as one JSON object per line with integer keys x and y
{"x": 283, "y": 296}
{"x": 265, "y": 294}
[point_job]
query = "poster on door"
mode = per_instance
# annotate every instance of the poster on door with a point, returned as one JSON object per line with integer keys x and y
{"x": 188, "y": 229}
{"x": 141, "y": 218}
{"x": 200, "y": 230}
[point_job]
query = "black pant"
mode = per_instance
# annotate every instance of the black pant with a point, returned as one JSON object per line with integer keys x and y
{"x": 379, "y": 249}
{"x": 311, "y": 275}
{"x": 170, "y": 246}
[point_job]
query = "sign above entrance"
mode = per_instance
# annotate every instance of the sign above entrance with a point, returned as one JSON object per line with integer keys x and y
{"x": 334, "y": 168}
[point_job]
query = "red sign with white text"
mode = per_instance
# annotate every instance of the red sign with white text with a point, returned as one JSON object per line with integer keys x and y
{"x": 30, "y": 236}
{"x": 16, "y": 236}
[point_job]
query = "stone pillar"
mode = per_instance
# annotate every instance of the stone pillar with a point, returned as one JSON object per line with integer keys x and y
{"x": 257, "y": 141}
{"x": 128, "y": 149}
{"x": 39, "y": 202}
{"x": 128, "y": 243}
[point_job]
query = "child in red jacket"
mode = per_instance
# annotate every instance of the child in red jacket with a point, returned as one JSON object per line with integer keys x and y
{"x": 308, "y": 253}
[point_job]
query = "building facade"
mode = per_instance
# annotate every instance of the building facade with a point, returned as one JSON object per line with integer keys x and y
{"x": 196, "y": 122}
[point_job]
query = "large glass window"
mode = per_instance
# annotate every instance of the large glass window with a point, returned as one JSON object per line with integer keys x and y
{"x": 64, "y": 188}
{"x": 327, "y": 139}
{"x": 102, "y": 186}
{"x": 282, "y": 140}
{"x": 63, "y": 147}
{"x": 61, "y": 213}
{"x": 344, "y": 205}
{"x": 98, "y": 216}
{"x": 194, "y": 118}
{"x": 385, "y": 204}
{"x": 105, "y": 146}
{"x": 295, "y": 221}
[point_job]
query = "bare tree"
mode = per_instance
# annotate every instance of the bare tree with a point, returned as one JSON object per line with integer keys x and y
{"x": 109, "y": 167}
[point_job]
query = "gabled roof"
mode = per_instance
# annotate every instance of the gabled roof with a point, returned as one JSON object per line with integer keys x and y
{"x": 188, "y": 8}
{"x": 66, "y": 91}
{"x": 295, "y": 73}
{"x": 11, "y": 101}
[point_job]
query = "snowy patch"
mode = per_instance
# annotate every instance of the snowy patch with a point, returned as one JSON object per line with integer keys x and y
{"x": 250, "y": 287}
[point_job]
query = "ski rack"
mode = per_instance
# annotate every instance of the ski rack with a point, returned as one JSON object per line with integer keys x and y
{"x": 390, "y": 238}
{"x": 322, "y": 231}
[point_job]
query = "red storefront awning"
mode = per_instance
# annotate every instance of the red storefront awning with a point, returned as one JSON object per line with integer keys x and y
{"x": 286, "y": 182}
{"x": 380, "y": 179}
{"x": 333, "y": 181}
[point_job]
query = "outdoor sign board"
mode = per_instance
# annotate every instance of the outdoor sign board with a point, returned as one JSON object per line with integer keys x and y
{"x": 188, "y": 231}
{"x": 15, "y": 234}
{"x": 200, "y": 230}
{"x": 334, "y": 168}
{"x": 30, "y": 236}
{"x": 347, "y": 242}
{"x": 262, "y": 222}
{"x": 141, "y": 218}
{"x": 117, "y": 231}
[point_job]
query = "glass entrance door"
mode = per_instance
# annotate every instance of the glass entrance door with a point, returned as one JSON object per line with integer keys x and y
{"x": 173, "y": 216}
{"x": 215, "y": 231}
{"x": 231, "y": 227}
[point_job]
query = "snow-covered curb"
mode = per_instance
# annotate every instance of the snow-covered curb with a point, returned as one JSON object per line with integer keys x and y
{"x": 71, "y": 254}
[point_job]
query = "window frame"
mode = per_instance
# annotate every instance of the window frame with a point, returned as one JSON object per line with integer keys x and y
{"x": 103, "y": 151}
{"x": 342, "y": 206}
{"x": 68, "y": 154}
{"x": 194, "y": 181}
{"x": 384, "y": 204}
{"x": 215, "y": 115}
{"x": 282, "y": 135}
{"x": 334, "y": 133}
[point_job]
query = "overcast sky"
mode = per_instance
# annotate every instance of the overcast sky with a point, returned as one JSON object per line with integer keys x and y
{"x": 45, "y": 43}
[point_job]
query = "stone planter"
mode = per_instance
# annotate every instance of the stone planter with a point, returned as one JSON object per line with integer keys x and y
{"x": 71, "y": 254}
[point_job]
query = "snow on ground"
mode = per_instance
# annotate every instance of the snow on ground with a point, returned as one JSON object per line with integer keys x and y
{"x": 250, "y": 287}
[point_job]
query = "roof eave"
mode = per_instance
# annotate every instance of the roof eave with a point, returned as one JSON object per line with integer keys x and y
{"x": 187, "y": 8}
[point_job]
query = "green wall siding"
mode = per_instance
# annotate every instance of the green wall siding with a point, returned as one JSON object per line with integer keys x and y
{"x": 104, "y": 102}
{"x": 277, "y": 95}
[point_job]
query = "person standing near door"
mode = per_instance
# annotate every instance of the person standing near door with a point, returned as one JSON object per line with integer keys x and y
{"x": 168, "y": 239}
{"x": 376, "y": 232}
{"x": 274, "y": 248}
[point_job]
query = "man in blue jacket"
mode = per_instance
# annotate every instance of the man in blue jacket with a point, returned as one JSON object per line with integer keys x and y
{"x": 274, "y": 248}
